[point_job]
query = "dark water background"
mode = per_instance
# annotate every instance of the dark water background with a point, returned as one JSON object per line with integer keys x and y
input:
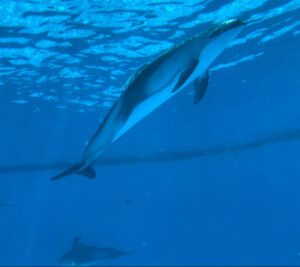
{"x": 210, "y": 184}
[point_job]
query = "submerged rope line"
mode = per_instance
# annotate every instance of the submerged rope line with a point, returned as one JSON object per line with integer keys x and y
{"x": 287, "y": 135}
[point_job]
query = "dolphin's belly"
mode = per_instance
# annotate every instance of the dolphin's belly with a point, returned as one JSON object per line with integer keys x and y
{"x": 114, "y": 126}
{"x": 150, "y": 104}
{"x": 145, "y": 108}
{"x": 207, "y": 56}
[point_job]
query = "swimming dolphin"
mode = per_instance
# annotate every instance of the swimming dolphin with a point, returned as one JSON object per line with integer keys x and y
{"x": 4, "y": 204}
{"x": 153, "y": 84}
{"x": 82, "y": 254}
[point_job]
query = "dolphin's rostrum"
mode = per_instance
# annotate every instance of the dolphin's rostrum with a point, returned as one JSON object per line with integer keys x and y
{"x": 153, "y": 84}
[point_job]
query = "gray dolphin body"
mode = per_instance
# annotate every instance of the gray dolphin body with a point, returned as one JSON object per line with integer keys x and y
{"x": 82, "y": 254}
{"x": 153, "y": 84}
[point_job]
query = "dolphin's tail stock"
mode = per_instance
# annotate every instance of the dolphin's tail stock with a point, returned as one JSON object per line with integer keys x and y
{"x": 80, "y": 169}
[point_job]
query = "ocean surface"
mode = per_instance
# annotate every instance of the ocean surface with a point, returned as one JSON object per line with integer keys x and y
{"x": 217, "y": 183}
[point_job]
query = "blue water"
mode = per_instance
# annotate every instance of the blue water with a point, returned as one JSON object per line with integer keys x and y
{"x": 217, "y": 183}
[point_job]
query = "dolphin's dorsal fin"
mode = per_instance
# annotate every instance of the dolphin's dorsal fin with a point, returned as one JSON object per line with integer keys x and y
{"x": 185, "y": 75}
{"x": 200, "y": 85}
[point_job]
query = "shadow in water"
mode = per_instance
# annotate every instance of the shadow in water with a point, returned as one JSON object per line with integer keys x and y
{"x": 276, "y": 137}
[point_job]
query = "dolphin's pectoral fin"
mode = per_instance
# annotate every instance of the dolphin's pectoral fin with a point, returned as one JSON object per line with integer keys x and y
{"x": 185, "y": 75}
{"x": 80, "y": 169}
{"x": 200, "y": 85}
{"x": 88, "y": 172}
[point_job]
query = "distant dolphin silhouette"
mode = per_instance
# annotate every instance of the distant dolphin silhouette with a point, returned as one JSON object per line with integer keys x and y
{"x": 82, "y": 254}
{"x": 155, "y": 83}
{"x": 4, "y": 204}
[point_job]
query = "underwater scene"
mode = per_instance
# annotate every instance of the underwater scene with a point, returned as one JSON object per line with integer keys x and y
{"x": 150, "y": 133}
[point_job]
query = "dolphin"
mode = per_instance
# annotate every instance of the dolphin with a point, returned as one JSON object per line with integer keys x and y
{"x": 153, "y": 84}
{"x": 4, "y": 204}
{"x": 82, "y": 254}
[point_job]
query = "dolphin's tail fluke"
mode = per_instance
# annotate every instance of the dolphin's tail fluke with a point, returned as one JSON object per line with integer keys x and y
{"x": 80, "y": 169}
